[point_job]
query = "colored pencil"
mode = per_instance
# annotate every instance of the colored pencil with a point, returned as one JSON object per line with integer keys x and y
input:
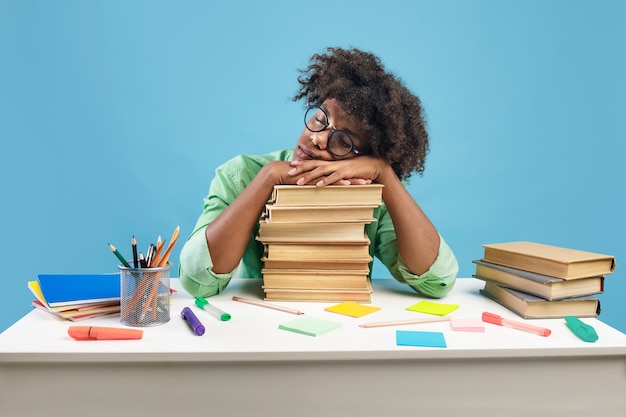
{"x": 405, "y": 322}
{"x": 267, "y": 305}
{"x": 135, "y": 258}
{"x": 119, "y": 256}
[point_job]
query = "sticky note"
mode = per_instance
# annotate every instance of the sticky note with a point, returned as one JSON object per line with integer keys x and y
{"x": 309, "y": 326}
{"x": 415, "y": 338}
{"x": 350, "y": 308}
{"x": 429, "y": 307}
{"x": 467, "y": 324}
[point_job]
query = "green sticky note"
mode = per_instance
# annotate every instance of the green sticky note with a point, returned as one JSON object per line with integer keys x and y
{"x": 415, "y": 338}
{"x": 429, "y": 307}
{"x": 350, "y": 308}
{"x": 309, "y": 326}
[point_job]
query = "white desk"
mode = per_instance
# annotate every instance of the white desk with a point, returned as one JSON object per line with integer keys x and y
{"x": 247, "y": 366}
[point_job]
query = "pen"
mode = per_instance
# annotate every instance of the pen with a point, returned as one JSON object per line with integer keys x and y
{"x": 119, "y": 256}
{"x": 267, "y": 305}
{"x": 103, "y": 333}
{"x": 142, "y": 260}
{"x": 500, "y": 321}
{"x": 192, "y": 321}
{"x": 402, "y": 322}
{"x": 210, "y": 308}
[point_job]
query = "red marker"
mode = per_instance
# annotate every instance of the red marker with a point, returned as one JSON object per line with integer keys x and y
{"x": 103, "y": 333}
{"x": 495, "y": 319}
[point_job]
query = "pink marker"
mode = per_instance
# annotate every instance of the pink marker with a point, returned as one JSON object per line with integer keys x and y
{"x": 495, "y": 319}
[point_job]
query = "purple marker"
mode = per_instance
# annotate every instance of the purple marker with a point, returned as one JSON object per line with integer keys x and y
{"x": 192, "y": 321}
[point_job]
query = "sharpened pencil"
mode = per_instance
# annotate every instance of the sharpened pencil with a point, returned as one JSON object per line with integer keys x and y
{"x": 119, "y": 256}
{"x": 267, "y": 305}
{"x": 405, "y": 322}
{"x": 135, "y": 258}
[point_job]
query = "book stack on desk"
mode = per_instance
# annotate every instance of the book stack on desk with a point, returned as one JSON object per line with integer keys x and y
{"x": 316, "y": 248}
{"x": 77, "y": 297}
{"x": 541, "y": 281}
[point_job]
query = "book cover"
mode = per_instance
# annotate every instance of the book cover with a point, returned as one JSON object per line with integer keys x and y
{"x": 314, "y": 279}
{"x": 310, "y": 232}
{"x": 333, "y": 195}
{"x": 325, "y": 214}
{"x": 545, "y": 286}
{"x": 550, "y": 260}
{"x": 68, "y": 289}
{"x": 530, "y": 306}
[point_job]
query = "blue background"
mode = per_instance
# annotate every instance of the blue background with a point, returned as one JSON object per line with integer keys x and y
{"x": 115, "y": 114}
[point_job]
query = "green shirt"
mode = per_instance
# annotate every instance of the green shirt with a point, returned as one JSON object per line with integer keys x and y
{"x": 231, "y": 178}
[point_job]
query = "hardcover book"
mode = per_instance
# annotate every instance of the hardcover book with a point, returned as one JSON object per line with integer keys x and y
{"x": 349, "y": 213}
{"x": 309, "y": 251}
{"x": 315, "y": 279}
{"x": 320, "y": 264}
{"x": 333, "y": 195}
{"x": 544, "y": 286}
{"x": 311, "y": 232}
{"x": 549, "y": 260}
{"x": 530, "y": 306}
{"x": 288, "y": 294}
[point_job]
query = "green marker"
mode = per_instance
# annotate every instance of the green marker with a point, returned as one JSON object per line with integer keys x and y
{"x": 209, "y": 308}
{"x": 583, "y": 330}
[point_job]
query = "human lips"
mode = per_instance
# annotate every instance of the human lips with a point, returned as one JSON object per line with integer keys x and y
{"x": 304, "y": 153}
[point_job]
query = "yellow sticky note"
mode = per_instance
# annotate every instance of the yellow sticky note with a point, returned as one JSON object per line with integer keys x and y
{"x": 350, "y": 308}
{"x": 429, "y": 307}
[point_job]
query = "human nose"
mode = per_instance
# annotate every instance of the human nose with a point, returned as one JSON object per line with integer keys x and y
{"x": 320, "y": 139}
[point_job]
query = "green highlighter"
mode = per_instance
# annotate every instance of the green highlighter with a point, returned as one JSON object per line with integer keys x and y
{"x": 214, "y": 311}
{"x": 582, "y": 330}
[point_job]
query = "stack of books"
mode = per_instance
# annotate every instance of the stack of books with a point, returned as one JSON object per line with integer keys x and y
{"x": 535, "y": 280}
{"x": 316, "y": 248}
{"x": 77, "y": 297}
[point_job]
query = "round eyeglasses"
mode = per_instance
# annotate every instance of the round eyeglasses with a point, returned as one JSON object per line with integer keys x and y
{"x": 339, "y": 142}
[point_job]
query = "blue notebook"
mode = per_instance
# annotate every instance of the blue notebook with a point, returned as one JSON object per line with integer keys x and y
{"x": 68, "y": 289}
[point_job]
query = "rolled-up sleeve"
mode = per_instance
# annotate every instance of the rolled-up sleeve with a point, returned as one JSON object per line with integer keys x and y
{"x": 196, "y": 268}
{"x": 196, "y": 265}
{"x": 436, "y": 282}
{"x": 440, "y": 277}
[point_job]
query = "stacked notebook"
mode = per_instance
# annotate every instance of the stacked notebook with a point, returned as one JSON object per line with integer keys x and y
{"x": 316, "y": 248}
{"x": 77, "y": 297}
{"x": 541, "y": 281}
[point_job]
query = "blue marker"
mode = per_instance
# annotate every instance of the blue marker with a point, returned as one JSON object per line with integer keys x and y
{"x": 209, "y": 308}
{"x": 192, "y": 321}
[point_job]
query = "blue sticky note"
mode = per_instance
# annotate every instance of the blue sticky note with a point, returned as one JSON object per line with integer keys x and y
{"x": 415, "y": 338}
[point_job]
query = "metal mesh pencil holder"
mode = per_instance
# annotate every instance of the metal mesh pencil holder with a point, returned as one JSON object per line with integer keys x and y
{"x": 145, "y": 295}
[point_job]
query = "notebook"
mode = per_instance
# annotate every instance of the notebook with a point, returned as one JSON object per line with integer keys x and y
{"x": 68, "y": 289}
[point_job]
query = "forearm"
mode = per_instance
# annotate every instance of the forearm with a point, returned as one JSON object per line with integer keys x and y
{"x": 417, "y": 237}
{"x": 228, "y": 235}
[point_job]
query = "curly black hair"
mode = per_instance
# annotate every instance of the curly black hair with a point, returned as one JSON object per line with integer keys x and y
{"x": 378, "y": 102}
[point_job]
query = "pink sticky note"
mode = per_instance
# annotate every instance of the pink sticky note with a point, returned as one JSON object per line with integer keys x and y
{"x": 467, "y": 325}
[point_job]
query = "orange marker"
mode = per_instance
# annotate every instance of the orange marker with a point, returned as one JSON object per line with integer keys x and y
{"x": 103, "y": 333}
